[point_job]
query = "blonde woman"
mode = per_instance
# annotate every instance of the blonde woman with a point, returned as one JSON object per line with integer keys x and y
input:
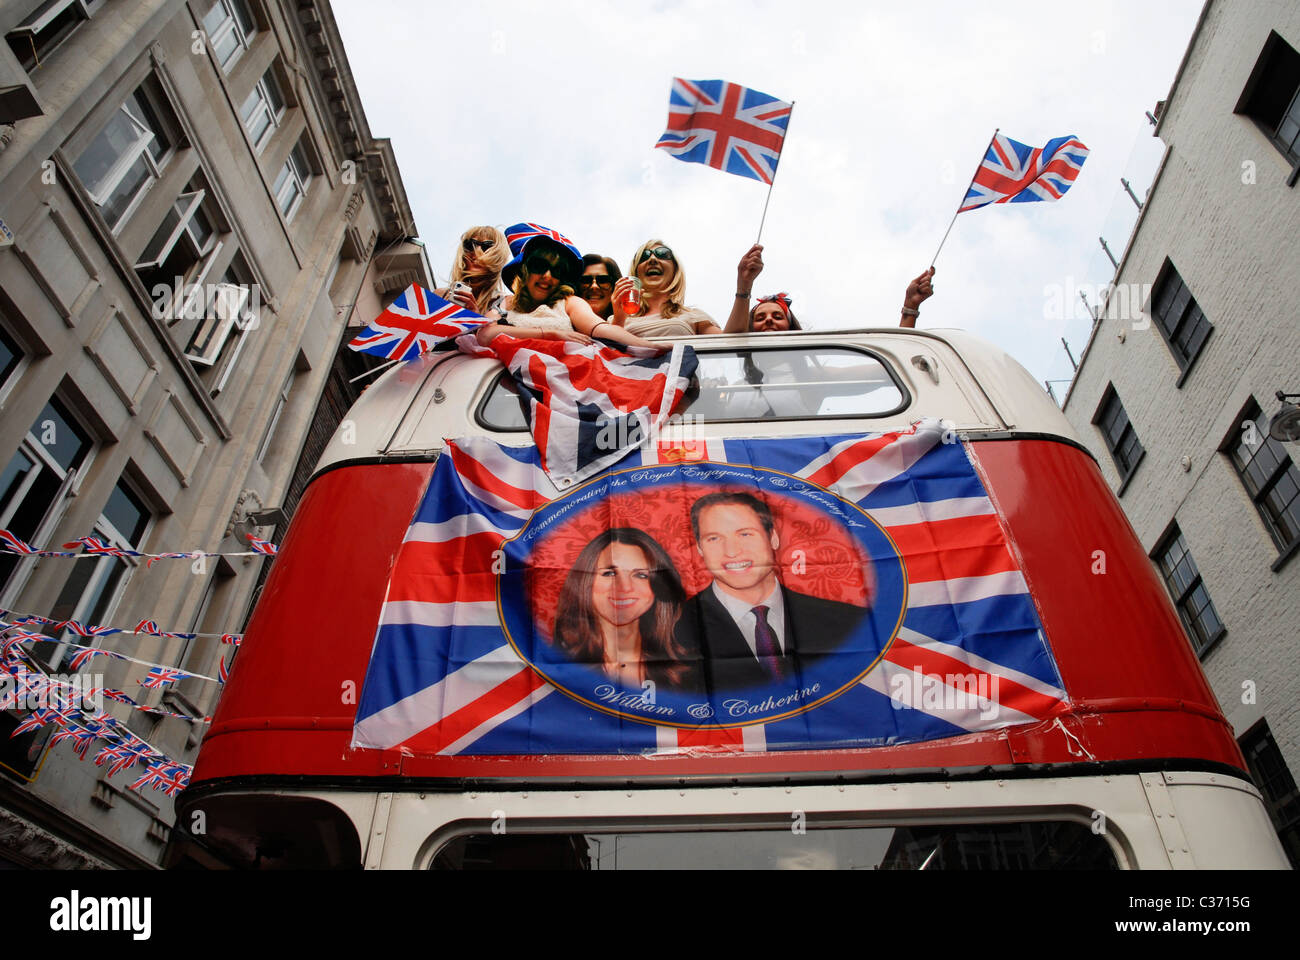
{"x": 663, "y": 310}
{"x": 483, "y": 253}
{"x": 543, "y": 305}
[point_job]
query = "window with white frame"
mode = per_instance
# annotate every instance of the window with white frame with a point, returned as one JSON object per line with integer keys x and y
{"x": 291, "y": 183}
{"x": 263, "y": 110}
{"x": 176, "y": 261}
{"x": 128, "y": 154}
{"x": 35, "y": 483}
{"x": 46, "y": 27}
{"x": 91, "y": 592}
{"x": 230, "y": 28}
{"x": 233, "y": 313}
{"x": 281, "y": 402}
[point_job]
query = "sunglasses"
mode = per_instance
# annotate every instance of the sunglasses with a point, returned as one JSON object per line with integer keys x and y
{"x": 659, "y": 253}
{"x": 484, "y": 245}
{"x": 598, "y": 279}
{"x": 537, "y": 264}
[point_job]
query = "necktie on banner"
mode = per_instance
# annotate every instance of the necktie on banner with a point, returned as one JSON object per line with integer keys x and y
{"x": 1012, "y": 172}
{"x": 727, "y": 126}
{"x": 415, "y": 323}
{"x": 588, "y": 405}
{"x": 907, "y": 617}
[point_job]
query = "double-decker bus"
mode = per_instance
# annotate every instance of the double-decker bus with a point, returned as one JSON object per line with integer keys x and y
{"x": 1110, "y": 753}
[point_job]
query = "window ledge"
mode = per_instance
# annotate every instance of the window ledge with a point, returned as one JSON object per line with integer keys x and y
{"x": 1123, "y": 484}
{"x": 1285, "y": 556}
{"x": 1191, "y": 361}
{"x": 1213, "y": 644}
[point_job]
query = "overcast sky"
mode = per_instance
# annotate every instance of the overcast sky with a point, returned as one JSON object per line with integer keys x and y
{"x": 508, "y": 111}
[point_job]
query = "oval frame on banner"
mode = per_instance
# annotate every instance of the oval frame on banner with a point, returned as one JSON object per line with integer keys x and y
{"x": 809, "y": 519}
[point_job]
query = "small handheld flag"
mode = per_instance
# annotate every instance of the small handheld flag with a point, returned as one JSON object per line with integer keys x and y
{"x": 416, "y": 322}
{"x": 727, "y": 126}
{"x": 1012, "y": 172}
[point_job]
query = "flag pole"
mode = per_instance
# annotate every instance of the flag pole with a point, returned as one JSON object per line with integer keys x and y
{"x": 963, "y": 196}
{"x": 774, "y": 170}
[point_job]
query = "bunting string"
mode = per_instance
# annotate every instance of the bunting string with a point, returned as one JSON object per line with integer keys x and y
{"x": 98, "y": 547}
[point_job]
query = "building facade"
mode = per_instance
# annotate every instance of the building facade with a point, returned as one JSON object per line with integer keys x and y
{"x": 1176, "y": 389}
{"x": 193, "y": 208}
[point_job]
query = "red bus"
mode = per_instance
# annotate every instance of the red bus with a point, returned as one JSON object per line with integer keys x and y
{"x": 1129, "y": 763}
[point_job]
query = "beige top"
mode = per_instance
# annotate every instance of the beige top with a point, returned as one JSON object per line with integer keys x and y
{"x": 654, "y": 325}
{"x": 553, "y": 317}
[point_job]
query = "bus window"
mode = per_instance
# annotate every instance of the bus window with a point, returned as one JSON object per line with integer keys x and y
{"x": 759, "y": 384}
{"x": 1033, "y": 845}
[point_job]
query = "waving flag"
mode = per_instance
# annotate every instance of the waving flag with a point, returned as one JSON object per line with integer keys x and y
{"x": 98, "y": 547}
{"x": 262, "y": 546}
{"x": 589, "y": 405}
{"x": 415, "y": 323}
{"x": 727, "y": 126}
{"x": 1014, "y": 173}
{"x": 15, "y": 543}
{"x": 948, "y": 641}
{"x": 159, "y": 677}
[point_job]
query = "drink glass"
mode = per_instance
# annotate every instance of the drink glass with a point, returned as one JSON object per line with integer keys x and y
{"x": 631, "y": 301}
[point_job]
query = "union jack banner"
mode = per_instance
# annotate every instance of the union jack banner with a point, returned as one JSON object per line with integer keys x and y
{"x": 169, "y": 777}
{"x": 1014, "y": 173}
{"x": 159, "y": 677}
{"x": 415, "y": 323}
{"x": 223, "y": 674}
{"x": 95, "y": 546}
{"x": 589, "y": 404}
{"x": 14, "y": 543}
{"x": 87, "y": 629}
{"x": 151, "y": 628}
{"x": 146, "y": 626}
{"x": 176, "y": 556}
{"x": 82, "y": 737}
{"x": 124, "y": 755}
{"x": 86, "y": 653}
{"x": 941, "y": 639}
{"x": 232, "y": 638}
{"x": 262, "y": 546}
{"x": 727, "y": 126}
{"x": 111, "y": 694}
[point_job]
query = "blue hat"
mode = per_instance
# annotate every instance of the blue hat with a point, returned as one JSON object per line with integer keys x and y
{"x": 525, "y": 238}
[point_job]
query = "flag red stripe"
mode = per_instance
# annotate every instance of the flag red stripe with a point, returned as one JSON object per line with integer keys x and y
{"x": 1016, "y": 696}
{"x": 481, "y": 476}
{"x": 712, "y": 737}
{"x": 455, "y": 725}
{"x": 952, "y": 549}
{"x": 851, "y": 457}
{"x": 458, "y": 570}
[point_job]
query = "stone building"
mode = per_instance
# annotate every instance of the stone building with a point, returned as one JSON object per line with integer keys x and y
{"x": 193, "y": 207}
{"x": 1176, "y": 389}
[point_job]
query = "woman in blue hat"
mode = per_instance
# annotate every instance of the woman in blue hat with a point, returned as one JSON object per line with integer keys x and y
{"x": 544, "y": 306}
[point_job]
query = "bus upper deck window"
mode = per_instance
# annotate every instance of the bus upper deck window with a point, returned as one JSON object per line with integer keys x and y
{"x": 764, "y": 383}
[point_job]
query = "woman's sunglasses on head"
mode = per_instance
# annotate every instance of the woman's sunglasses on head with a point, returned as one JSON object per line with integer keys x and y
{"x": 659, "y": 253}
{"x": 484, "y": 245}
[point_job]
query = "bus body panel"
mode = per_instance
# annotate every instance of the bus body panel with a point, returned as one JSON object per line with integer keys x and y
{"x": 1134, "y": 684}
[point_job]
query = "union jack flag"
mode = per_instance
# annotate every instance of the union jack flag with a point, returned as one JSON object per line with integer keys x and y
{"x": 520, "y": 233}
{"x": 124, "y": 755}
{"x": 95, "y": 546}
{"x": 727, "y": 126}
{"x": 222, "y": 673}
{"x": 82, "y": 737}
{"x": 232, "y": 638}
{"x": 169, "y": 777}
{"x": 87, "y": 629}
{"x": 261, "y": 546}
{"x": 79, "y": 660}
{"x": 589, "y": 405}
{"x": 15, "y": 544}
{"x": 60, "y": 715}
{"x": 1014, "y": 173}
{"x": 112, "y": 694}
{"x": 445, "y": 679}
{"x": 159, "y": 677}
{"x": 151, "y": 628}
{"x": 415, "y": 323}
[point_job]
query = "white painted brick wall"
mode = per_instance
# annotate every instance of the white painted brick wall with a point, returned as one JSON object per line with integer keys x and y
{"x": 1237, "y": 246}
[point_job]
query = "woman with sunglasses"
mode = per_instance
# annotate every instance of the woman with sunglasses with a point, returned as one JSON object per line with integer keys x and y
{"x": 596, "y": 285}
{"x": 663, "y": 310}
{"x": 544, "y": 305}
{"x": 483, "y": 252}
{"x": 773, "y": 312}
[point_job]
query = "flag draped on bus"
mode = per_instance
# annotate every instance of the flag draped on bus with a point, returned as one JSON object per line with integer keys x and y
{"x": 727, "y": 126}
{"x": 919, "y": 621}
{"x": 588, "y": 405}
{"x": 1012, "y": 172}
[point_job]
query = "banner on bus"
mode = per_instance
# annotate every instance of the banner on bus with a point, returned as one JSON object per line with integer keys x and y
{"x": 744, "y": 594}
